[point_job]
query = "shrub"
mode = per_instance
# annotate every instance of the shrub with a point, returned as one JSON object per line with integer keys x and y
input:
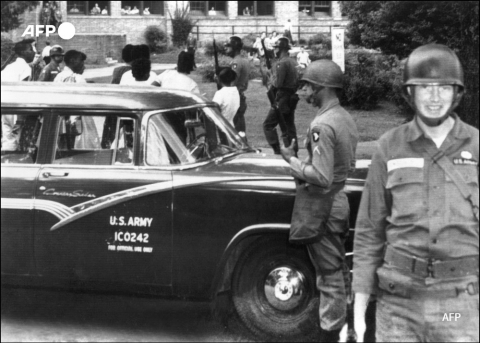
{"x": 208, "y": 48}
{"x": 321, "y": 40}
{"x": 182, "y": 25}
{"x": 155, "y": 38}
{"x": 206, "y": 66}
{"x": 302, "y": 41}
{"x": 368, "y": 79}
{"x": 7, "y": 48}
{"x": 321, "y": 55}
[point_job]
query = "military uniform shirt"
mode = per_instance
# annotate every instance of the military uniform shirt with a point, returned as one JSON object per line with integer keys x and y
{"x": 50, "y": 72}
{"x": 287, "y": 77}
{"x": 241, "y": 67}
{"x": 331, "y": 143}
{"x": 410, "y": 203}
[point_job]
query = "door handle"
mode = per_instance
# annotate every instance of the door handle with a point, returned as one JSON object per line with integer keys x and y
{"x": 54, "y": 174}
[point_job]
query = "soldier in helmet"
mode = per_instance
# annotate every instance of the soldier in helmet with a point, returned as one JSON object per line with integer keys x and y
{"x": 321, "y": 212}
{"x": 241, "y": 67}
{"x": 282, "y": 112}
{"x": 51, "y": 70}
{"x": 416, "y": 239}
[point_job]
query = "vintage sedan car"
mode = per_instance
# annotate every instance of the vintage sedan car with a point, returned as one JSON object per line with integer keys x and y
{"x": 147, "y": 190}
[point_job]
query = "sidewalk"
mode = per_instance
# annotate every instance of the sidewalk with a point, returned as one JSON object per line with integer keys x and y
{"x": 107, "y": 71}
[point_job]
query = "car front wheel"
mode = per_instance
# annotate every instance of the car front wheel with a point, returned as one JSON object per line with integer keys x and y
{"x": 273, "y": 292}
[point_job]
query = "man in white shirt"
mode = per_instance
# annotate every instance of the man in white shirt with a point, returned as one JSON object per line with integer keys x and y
{"x": 74, "y": 67}
{"x": 141, "y": 73}
{"x": 16, "y": 71}
{"x": 228, "y": 96}
{"x": 179, "y": 79}
{"x": 303, "y": 58}
{"x": 20, "y": 70}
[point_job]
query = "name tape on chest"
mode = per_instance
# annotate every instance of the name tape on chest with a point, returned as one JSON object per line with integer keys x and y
{"x": 464, "y": 161}
{"x": 405, "y": 163}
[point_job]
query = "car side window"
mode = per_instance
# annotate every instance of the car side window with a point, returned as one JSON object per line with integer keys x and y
{"x": 188, "y": 136}
{"x": 20, "y": 137}
{"x": 95, "y": 140}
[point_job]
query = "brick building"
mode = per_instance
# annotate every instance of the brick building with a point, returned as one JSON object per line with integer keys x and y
{"x": 122, "y": 22}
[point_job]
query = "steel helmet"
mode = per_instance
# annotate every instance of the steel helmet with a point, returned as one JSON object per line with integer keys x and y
{"x": 56, "y": 50}
{"x": 324, "y": 73}
{"x": 286, "y": 40}
{"x": 433, "y": 64}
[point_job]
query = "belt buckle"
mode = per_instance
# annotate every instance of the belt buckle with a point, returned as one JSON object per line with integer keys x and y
{"x": 430, "y": 269}
{"x": 471, "y": 289}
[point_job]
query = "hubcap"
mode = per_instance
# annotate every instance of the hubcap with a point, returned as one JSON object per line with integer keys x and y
{"x": 285, "y": 288}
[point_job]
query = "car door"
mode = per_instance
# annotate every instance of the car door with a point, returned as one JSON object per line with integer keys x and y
{"x": 21, "y": 132}
{"x": 109, "y": 223}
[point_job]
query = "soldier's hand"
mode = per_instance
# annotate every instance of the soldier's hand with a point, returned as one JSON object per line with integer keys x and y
{"x": 361, "y": 303}
{"x": 288, "y": 152}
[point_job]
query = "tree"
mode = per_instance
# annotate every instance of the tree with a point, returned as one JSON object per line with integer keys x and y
{"x": 182, "y": 25}
{"x": 11, "y": 11}
{"x": 398, "y": 27}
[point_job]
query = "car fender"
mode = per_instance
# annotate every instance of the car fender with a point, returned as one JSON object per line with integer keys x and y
{"x": 236, "y": 246}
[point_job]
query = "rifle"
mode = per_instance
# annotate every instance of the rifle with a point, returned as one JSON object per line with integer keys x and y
{"x": 271, "y": 92}
{"x": 267, "y": 58}
{"x": 217, "y": 65}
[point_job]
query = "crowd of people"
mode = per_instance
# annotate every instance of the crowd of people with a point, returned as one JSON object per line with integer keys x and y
{"x": 421, "y": 193}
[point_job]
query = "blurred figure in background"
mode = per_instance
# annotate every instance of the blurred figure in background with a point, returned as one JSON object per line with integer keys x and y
{"x": 127, "y": 57}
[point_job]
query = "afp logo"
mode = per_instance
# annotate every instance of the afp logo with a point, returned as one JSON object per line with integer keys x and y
{"x": 65, "y": 30}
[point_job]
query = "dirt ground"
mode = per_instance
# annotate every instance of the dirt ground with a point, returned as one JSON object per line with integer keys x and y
{"x": 57, "y": 316}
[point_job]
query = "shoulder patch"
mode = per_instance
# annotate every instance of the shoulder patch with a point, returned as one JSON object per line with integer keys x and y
{"x": 316, "y": 136}
{"x": 234, "y": 66}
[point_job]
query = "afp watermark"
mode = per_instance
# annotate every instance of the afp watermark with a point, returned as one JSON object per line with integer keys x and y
{"x": 65, "y": 30}
{"x": 448, "y": 317}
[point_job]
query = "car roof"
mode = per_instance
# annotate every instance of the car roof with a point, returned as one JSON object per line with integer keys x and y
{"x": 96, "y": 96}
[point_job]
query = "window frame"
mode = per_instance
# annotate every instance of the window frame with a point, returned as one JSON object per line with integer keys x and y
{"x": 206, "y": 9}
{"x": 87, "y": 9}
{"x": 42, "y": 133}
{"x": 52, "y": 139}
{"x": 141, "y": 8}
{"x": 313, "y": 6}
{"x": 255, "y": 11}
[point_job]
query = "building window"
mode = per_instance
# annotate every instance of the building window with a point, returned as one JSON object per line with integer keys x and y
{"x": 142, "y": 7}
{"x": 88, "y": 7}
{"x": 255, "y": 8}
{"x": 208, "y": 7}
{"x": 314, "y": 8}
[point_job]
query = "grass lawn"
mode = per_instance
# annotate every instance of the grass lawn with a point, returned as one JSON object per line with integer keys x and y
{"x": 371, "y": 124}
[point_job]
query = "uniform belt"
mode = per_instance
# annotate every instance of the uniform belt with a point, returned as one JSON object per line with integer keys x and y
{"x": 470, "y": 289}
{"x": 430, "y": 267}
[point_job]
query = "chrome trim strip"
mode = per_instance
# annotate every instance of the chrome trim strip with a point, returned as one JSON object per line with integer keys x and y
{"x": 58, "y": 210}
{"x": 92, "y": 206}
{"x": 256, "y": 227}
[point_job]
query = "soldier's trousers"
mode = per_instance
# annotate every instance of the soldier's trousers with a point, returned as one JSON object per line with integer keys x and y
{"x": 239, "y": 118}
{"x": 282, "y": 115}
{"x": 432, "y": 319}
{"x": 328, "y": 258}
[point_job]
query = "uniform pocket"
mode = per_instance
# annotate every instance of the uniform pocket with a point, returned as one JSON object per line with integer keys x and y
{"x": 392, "y": 282}
{"x": 406, "y": 187}
{"x": 458, "y": 205}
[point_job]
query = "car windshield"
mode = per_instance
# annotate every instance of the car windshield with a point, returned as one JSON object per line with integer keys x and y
{"x": 189, "y": 136}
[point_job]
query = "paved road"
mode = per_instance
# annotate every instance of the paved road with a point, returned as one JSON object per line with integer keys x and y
{"x": 48, "y": 315}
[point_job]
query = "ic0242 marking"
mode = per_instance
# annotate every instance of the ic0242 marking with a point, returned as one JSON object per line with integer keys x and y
{"x": 132, "y": 237}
